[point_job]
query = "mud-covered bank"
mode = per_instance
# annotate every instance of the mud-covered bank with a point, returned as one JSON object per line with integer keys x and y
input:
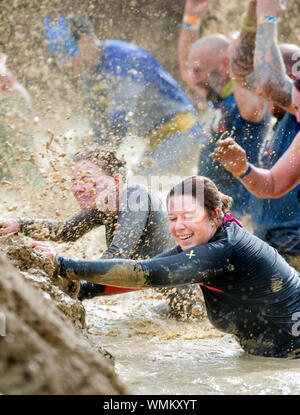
{"x": 41, "y": 351}
{"x": 41, "y": 273}
{"x": 44, "y": 348}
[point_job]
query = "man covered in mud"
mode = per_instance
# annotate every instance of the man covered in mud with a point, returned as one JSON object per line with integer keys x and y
{"x": 128, "y": 92}
{"x": 259, "y": 64}
{"x": 275, "y": 221}
{"x": 135, "y": 222}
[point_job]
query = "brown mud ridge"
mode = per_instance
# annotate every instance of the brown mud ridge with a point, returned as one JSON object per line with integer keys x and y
{"x": 43, "y": 342}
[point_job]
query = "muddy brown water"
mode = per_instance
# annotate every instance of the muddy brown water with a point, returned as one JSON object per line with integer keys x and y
{"x": 157, "y": 355}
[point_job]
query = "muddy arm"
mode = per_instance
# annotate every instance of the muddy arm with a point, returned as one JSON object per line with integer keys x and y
{"x": 190, "y": 266}
{"x": 68, "y": 230}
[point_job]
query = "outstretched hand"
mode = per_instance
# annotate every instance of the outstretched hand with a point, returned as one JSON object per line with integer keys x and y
{"x": 196, "y": 7}
{"x": 44, "y": 248}
{"x": 8, "y": 226}
{"x": 231, "y": 155}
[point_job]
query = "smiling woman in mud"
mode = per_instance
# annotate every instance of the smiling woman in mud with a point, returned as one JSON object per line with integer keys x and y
{"x": 135, "y": 220}
{"x": 249, "y": 289}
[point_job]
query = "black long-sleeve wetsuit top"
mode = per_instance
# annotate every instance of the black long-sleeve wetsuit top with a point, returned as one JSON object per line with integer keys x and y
{"x": 249, "y": 289}
{"x": 139, "y": 230}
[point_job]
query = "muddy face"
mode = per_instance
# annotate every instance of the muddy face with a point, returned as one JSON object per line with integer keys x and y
{"x": 189, "y": 223}
{"x": 93, "y": 189}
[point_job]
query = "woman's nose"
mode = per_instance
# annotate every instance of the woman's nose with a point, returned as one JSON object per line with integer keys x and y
{"x": 179, "y": 224}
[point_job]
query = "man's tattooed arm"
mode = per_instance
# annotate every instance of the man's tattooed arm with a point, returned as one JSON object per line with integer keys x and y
{"x": 269, "y": 66}
{"x": 242, "y": 60}
{"x": 242, "y": 54}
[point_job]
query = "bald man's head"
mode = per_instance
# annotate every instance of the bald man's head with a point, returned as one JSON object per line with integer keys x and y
{"x": 209, "y": 63}
{"x": 214, "y": 45}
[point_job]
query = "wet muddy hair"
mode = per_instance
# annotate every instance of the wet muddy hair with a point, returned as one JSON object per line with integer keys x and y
{"x": 205, "y": 192}
{"x": 106, "y": 159}
{"x": 297, "y": 83}
{"x": 79, "y": 26}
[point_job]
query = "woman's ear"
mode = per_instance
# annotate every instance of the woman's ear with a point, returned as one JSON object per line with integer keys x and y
{"x": 218, "y": 213}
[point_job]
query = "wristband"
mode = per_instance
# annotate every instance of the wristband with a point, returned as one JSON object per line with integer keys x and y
{"x": 190, "y": 22}
{"x": 247, "y": 25}
{"x": 245, "y": 172}
{"x": 267, "y": 19}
